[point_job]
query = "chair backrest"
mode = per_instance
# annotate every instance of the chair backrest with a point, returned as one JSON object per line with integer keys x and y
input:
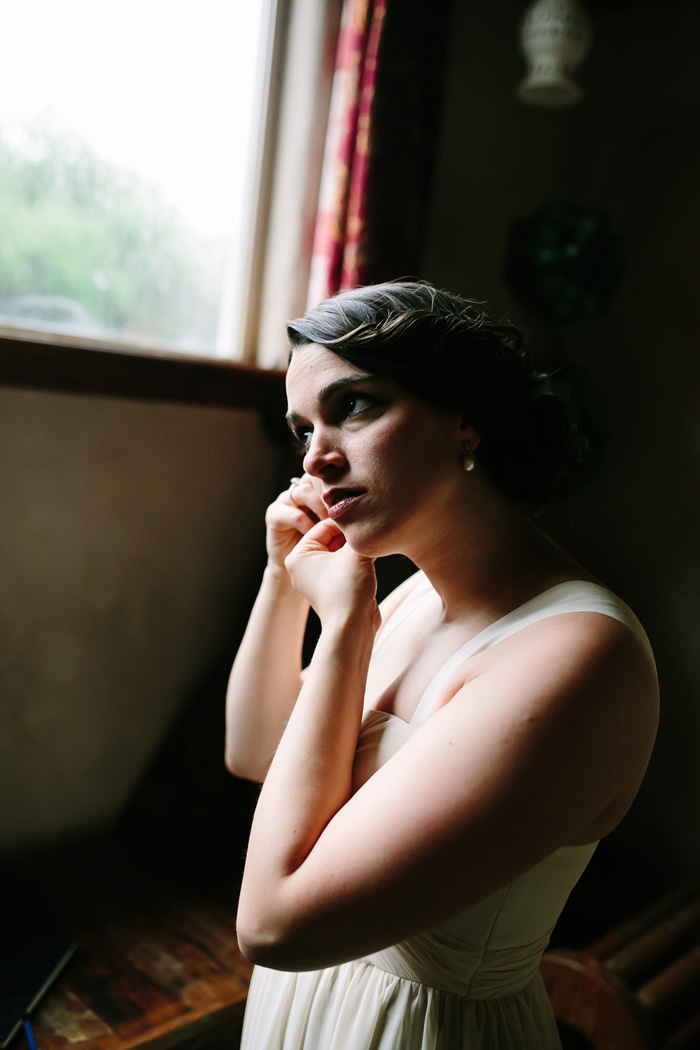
{"x": 637, "y": 988}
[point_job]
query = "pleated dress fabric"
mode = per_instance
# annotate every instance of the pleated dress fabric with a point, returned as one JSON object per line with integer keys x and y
{"x": 471, "y": 983}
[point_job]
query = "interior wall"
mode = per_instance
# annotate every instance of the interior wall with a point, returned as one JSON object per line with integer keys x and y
{"x": 131, "y": 541}
{"x": 632, "y": 149}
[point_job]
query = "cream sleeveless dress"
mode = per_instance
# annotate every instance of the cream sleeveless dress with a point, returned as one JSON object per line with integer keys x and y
{"x": 471, "y": 983}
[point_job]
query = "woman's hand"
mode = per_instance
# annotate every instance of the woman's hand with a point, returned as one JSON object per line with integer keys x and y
{"x": 291, "y": 516}
{"x": 335, "y": 579}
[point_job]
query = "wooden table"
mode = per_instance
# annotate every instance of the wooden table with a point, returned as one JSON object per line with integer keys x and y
{"x": 157, "y": 962}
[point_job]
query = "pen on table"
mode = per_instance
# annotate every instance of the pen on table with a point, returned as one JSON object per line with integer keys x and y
{"x": 29, "y": 1034}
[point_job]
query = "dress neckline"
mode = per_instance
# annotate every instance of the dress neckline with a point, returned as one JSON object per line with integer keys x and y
{"x": 585, "y": 595}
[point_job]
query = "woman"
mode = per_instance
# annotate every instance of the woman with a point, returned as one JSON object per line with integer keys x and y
{"x": 438, "y": 777}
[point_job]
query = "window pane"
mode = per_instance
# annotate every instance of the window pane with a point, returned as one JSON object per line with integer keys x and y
{"x": 126, "y": 134}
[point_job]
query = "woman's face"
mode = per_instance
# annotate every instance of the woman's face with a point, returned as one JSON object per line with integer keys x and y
{"x": 385, "y": 463}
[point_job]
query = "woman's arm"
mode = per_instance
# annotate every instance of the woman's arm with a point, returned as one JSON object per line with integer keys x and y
{"x": 265, "y": 678}
{"x": 546, "y": 747}
{"x": 313, "y": 763}
{"x": 311, "y": 777}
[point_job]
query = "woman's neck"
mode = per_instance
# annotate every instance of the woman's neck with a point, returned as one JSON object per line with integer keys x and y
{"x": 489, "y": 556}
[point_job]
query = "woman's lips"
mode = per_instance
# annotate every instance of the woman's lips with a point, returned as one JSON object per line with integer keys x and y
{"x": 341, "y": 505}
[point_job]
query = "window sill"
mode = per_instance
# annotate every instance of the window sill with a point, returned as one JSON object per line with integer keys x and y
{"x": 41, "y": 361}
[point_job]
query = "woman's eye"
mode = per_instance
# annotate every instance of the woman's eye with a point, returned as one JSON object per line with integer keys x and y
{"x": 301, "y": 437}
{"x": 355, "y": 403}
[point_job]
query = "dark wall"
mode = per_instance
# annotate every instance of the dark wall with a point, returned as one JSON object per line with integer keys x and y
{"x": 632, "y": 149}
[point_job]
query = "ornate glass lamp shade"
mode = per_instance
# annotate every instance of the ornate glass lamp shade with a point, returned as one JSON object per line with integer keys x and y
{"x": 555, "y": 36}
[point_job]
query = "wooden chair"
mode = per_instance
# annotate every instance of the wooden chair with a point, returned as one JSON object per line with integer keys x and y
{"x": 638, "y": 987}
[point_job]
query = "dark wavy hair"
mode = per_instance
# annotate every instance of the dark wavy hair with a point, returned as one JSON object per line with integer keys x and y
{"x": 449, "y": 353}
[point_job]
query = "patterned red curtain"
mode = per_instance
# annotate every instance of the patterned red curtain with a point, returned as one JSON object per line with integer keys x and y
{"x": 379, "y": 145}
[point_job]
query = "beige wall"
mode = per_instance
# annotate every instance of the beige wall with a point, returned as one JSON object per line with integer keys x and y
{"x": 131, "y": 540}
{"x": 631, "y": 148}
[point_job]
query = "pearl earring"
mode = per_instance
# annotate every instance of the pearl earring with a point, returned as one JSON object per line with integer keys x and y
{"x": 468, "y": 463}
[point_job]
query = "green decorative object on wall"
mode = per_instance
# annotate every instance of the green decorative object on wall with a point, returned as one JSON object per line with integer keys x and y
{"x": 564, "y": 264}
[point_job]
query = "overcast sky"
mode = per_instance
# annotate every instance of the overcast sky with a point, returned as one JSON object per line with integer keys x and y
{"x": 161, "y": 87}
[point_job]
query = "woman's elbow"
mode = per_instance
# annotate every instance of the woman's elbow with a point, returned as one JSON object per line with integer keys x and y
{"x": 251, "y": 948}
{"x": 264, "y": 946}
{"x": 241, "y": 765}
{"x": 260, "y": 953}
{"x": 234, "y": 763}
{"x": 269, "y": 935}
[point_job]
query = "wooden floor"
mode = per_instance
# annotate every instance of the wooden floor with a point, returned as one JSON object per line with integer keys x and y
{"x": 157, "y": 962}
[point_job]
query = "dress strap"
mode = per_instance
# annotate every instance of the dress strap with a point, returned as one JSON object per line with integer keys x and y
{"x": 571, "y": 596}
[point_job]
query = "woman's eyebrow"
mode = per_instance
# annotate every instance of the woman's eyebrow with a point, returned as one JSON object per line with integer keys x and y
{"x": 327, "y": 392}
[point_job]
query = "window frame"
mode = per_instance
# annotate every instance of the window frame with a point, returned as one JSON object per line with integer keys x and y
{"x": 39, "y": 359}
{"x": 46, "y": 361}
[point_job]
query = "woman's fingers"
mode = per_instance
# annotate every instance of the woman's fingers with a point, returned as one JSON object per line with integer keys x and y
{"x": 334, "y": 580}
{"x": 325, "y": 535}
{"x": 284, "y": 518}
{"x": 290, "y": 517}
{"x": 303, "y": 494}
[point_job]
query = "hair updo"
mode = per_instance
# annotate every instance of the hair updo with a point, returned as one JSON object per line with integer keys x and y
{"x": 446, "y": 351}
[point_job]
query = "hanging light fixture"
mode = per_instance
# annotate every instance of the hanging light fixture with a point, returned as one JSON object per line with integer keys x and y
{"x": 555, "y": 36}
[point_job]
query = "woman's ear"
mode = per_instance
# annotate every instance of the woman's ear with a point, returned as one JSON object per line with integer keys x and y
{"x": 468, "y": 434}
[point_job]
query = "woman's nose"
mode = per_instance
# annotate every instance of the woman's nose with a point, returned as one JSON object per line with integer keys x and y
{"x": 322, "y": 453}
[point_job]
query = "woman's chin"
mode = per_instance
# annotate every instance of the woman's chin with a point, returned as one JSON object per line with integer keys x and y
{"x": 368, "y": 544}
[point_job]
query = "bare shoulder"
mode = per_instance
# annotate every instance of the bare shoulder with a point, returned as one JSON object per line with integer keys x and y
{"x": 578, "y": 658}
{"x": 583, "y": 688}
{"x": 576, "y": 643}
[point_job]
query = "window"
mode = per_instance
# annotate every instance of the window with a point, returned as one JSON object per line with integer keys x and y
{"x": 129, "y": 139}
